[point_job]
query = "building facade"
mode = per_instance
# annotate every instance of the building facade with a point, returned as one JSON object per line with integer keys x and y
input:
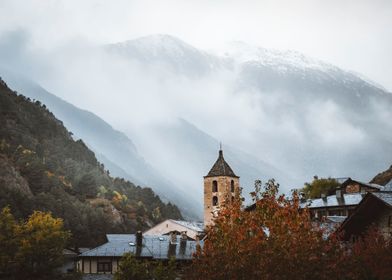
{"x": 343, "y": 202}
{"x": 221, "y": 186}
{"x": 374, "y": 211}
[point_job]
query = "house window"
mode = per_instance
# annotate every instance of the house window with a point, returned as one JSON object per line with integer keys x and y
{"x": 214, "y": 201}
{"x": 232, "y": 185}
{"x": 389, "y": 222}
{"x": 334, "y": 213}
{"x": 104, "y": 266}
{"x": 214, "y": 186}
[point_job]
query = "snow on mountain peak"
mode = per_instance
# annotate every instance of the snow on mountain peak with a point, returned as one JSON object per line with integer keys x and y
{"x": 157, "y": 44}
{"x": 242, "y": 52}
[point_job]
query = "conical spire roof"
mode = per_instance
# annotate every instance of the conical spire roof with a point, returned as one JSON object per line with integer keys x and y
{"x": 221, "y": 168}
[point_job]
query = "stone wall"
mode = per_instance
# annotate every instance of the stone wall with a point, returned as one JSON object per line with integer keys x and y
{"x": 384, "y": 223}
{"x": 223, "y": 194}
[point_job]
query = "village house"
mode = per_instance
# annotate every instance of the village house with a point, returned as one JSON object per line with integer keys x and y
{"x": 364, "y": 204}
{"x": 170, "y": 238}
{"x": 375, "y": 210}
{"x": 105, "y": 258}
{"x": 343, "y": 202}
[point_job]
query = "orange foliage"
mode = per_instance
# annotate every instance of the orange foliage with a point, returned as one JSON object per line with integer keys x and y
{"x": 274, "y": 241}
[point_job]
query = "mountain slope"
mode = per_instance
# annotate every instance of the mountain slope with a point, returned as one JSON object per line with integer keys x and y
{"x": 383, "y": 178}
{"x": 111, "y": 147}
{"x": 302, "y": 116}
{"x": 183, "y": 143}
{"x": 311, "y": 117}
{"x": 43, "y": 168}
{"x": 168, "y": 51}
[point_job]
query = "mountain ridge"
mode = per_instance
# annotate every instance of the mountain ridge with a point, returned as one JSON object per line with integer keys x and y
{"x": 44, "y": 168}
{"x": 301, "y": 119}
{"x": 111, "y": 146}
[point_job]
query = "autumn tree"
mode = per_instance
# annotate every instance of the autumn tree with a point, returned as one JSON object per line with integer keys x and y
{"x": 165, "y": 271}
{"x": 32, "y": 249}
{"x": 273, "y": 241}
{"x": 371, "y": 256}
{"x": 131, "y": 268}
{"x": 320, "y": 186}
{"x": 41, "y": 243}
{"x": 8, "y": 240}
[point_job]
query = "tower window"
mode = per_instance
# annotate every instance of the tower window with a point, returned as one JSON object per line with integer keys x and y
{"x": 214, "y": 201}
{"x": 214, "y": 186}
{"x": 232, "y": 185}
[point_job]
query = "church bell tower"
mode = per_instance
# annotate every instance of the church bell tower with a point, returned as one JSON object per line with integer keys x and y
{"x": 221, "y": 186}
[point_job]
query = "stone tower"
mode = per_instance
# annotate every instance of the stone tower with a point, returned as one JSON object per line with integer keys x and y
{"x": 221, "y": 185}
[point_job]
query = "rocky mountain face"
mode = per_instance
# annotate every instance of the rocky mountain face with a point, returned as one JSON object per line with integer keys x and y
{"x": 43, "y": 168}
{"x": 383, "y": 178}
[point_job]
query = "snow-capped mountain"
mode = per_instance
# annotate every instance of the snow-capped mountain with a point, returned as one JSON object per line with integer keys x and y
{"x": 278, "y": 113}
{"x": 169, "y": 52}
{"x": 312, "y": 117}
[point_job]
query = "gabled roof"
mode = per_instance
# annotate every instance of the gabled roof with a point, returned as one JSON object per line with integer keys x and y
{"x": 333, "y": 201}
{"x": 192, "y": 229}
{"x": 156, "y": 247}
{"x": 369, "y": 185}
{"x": 386, "y": 197}
{"x": 365, "y": 213}
{"x": 195, "y": 226}
{"x": 221, "y": 168}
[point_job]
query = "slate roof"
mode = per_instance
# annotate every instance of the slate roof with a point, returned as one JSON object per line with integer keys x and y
{"x": 196, "y": 226}
{"x": 370, "y": 185}
{"x": 156, "y": 247}
{"x": 385, "y": 197}
{"x": 388, "y": 186}
{"x": 333, "y": 201}
{"x": 221, "y": 168}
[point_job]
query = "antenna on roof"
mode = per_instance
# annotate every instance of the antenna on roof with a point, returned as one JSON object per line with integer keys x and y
{"x": 220, "y": 146}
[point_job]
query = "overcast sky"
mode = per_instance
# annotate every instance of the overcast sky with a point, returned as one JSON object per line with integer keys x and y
{"x": 353, "y": 34}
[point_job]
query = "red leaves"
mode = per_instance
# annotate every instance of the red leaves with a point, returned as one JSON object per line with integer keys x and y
{"x": 276, "y": 241}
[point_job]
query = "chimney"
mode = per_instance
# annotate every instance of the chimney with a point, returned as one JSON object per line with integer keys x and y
{"x": 172, "y": 245}
{"x": 338, "y": 193}
{"x": 173, "y": 237}
{"x": 324, "y": 197}
{"x": 302, "y": 197}
{"x": 184, "y": 237}
{"x": 139, "y": 238}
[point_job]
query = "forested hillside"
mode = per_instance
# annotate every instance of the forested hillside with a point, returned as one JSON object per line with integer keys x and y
{"x": 43, "y": 168}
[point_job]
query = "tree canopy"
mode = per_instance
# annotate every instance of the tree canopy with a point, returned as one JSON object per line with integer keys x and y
{"x": 43, "y": 168}
{"x": 33, "y": 248}
{"x": 132, "y": 268}
{"x": 320, "y": 186}
{"x": 276, "y": 240}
